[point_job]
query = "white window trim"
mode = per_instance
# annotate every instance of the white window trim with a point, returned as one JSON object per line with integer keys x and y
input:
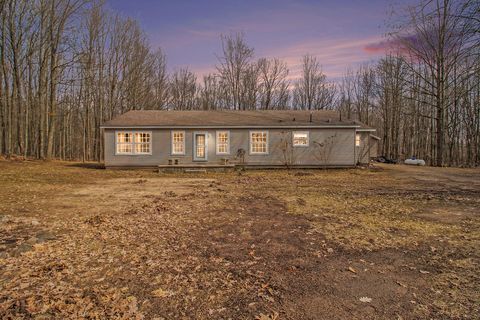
{"x": 133, "y": 153}
{"x": 217, "y": 145}
{"x": 301, "y": 145}
{"x": 359, "y": 139}
{"x": 171, "y": 143}
{"x": 250, "y": 142}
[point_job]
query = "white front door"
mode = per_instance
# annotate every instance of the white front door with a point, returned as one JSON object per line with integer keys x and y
{"x": 200, "y": 146}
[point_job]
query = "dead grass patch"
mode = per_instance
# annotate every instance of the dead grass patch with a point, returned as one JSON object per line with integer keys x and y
{"x": 77, "y": 241}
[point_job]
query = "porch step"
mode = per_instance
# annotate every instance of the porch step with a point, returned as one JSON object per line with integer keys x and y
{"x": 192, "y": 170}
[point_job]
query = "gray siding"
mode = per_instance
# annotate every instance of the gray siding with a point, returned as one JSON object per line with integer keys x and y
{"x": 373, "y": 148}
{"x": 367, "y": 149}
{"x": 333, "y": 147}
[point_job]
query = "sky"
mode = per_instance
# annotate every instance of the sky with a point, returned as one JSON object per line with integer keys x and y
{"x": 342, "y": 34}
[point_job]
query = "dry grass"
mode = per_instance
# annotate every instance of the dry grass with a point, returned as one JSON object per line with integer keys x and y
{"x": 77, "y": 241}
{"x": 349, "y": 211}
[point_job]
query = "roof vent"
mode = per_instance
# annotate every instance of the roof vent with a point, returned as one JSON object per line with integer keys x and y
{"x": 328, "y": 120}
{"x": 311, "y": 116}
{"x": 293, "y": 118}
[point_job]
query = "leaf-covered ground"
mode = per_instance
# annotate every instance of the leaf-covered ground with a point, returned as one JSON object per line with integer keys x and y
{"x": 395, "y": 242}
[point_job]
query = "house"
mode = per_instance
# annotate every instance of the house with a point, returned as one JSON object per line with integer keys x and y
{"x": 256, "y": 139}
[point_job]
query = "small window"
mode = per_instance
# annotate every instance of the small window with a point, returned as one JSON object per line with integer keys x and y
{"x": 258, "y": 142}
{"x": 134, "y": 142}
{"x": 300, "y": 139}
{"x": 357, "y": 140}
{"x": 178, "y": 142}
{"x": 223, "y": 142}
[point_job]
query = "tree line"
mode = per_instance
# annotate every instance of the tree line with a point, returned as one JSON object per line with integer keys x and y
{"x": 67, "y": 66}
{"x": 424, "y": 96}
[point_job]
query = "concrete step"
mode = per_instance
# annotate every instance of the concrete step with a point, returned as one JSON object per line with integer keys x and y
{"x": 197, "y": 170}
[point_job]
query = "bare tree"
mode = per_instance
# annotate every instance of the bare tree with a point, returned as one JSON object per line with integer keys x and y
{"x": 160, "y": 80}
{"x": 249, "y": 88}
{"x": 390, "y": 85}
{"x": 285, "y": 144}
{"x": 434, "y": 36}
{"x": 234, "y": 64}
{"x": 345, "y": 95}
{"x": 66, "y": 66}
{"x": 59, "y": 13}
{"x": 363, "y": 88}
{"x": 211, "y": 93}
{"x": 323, "y": 149}
{"x": 273, "y": 87}
{"x": 183, "y": 90}
{"x": 312, "y": 91}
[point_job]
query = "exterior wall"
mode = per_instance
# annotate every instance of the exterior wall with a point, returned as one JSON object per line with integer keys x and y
{"x": 373, "y": 147}
{"x": 330, "y": 147}
{"x": 362, "y": 151}
{"x": 367, "y": 149}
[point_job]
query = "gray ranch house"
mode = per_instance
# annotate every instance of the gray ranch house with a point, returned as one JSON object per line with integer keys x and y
{"x": 227, "y": 139}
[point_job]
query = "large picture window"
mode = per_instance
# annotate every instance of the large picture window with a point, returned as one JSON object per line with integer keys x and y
{"x": 300, "y": 139}
{"x": 223, "y": 142}
{"x": 178, "y": 142}
{"x": 128, "y": 142}
{"x": 258, "y": 142}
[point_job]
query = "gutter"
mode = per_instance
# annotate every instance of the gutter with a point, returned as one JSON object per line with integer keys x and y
{"x": 366, "y": 130}
{"x": 234, "y": 127}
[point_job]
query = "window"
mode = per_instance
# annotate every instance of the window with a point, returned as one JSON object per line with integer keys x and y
{"x": 223, "y": 142}
{"x": 142, "y": 143}
{"x": 300, "y": 139}
{"x": 178, "y": 142}
{"x": 258, "y": 142}
{"x": 357, "y": 140}
{"x": 134, "y": 142}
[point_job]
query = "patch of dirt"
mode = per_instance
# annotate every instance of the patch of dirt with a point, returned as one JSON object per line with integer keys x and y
{"x": 449, "y": 214}
{"x": 296, "y": 273}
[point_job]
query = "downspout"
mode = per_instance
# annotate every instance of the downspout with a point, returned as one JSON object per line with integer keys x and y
{"x": 354, "y": 148}
{"x": 369, "y": 149}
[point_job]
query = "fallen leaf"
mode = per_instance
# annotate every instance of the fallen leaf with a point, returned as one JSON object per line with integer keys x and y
{"x": 366, "y": 299}
{"x": 160, "y": 293}
{"x": 273, "y": 316}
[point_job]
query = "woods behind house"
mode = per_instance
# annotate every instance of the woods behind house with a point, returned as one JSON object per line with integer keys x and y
{"x": 66, "y": 66}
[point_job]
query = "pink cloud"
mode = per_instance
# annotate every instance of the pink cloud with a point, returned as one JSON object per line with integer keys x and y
{"x": 378, "y": 47}
{"x": 394, "y": 45}
{"x": 335, "y": 55}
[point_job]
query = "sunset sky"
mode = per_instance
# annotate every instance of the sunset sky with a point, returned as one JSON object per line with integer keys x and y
{"x": 340, "y": 33}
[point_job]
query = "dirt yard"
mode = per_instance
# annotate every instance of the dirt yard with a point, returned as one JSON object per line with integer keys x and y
{"x": 394, "y": 242}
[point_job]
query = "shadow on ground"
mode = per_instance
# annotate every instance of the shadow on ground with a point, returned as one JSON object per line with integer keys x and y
{"x": 88, "y": 165}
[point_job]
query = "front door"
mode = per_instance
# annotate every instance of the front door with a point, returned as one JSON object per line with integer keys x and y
{"x": 200, "y": 146}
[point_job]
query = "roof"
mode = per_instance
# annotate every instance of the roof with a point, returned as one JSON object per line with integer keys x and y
{"x": 231, "y": 119}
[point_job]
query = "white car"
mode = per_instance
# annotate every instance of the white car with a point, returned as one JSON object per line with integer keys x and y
{"x": 415, "y": 162}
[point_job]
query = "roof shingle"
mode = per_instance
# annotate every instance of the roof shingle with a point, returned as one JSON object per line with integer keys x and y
{"x": 230, "y": 119}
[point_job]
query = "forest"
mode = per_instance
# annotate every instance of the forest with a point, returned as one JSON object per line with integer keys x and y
{"x": 67, "y": 66}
